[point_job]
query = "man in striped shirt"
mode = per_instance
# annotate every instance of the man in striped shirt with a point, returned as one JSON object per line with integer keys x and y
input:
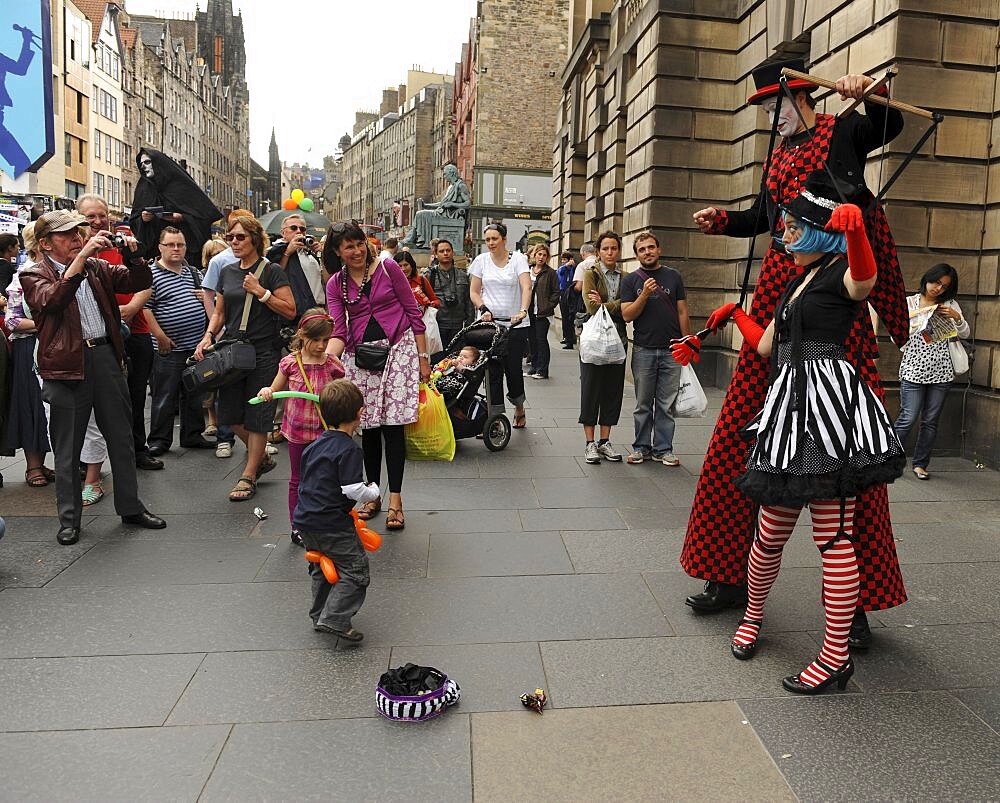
{"x": 176, "y": 315}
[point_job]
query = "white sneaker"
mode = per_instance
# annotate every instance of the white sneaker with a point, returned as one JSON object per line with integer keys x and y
{"x": 271, "y": 448}
{"x": 592, "y": 455}
{"x": 224, "y": 450}
{"x": 669, "y": 459}
{"x": 609, "y": 453}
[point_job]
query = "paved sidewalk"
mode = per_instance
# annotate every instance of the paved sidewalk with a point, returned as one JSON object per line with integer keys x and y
{"x": 181, "y": 664}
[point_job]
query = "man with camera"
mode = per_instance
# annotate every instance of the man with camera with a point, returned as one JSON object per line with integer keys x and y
{"x": 176, "y": 314}
{"x": 139, "y": 342}
{"x": 71, "y": 294}
{"x": 293, "y": 253}
{"x": 451, "y": 286}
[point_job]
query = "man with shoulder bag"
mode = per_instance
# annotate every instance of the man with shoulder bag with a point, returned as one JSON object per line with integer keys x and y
{"x": 451, "y": 286}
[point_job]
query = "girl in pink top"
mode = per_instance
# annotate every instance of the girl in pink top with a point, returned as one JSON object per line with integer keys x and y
{"x": 308, "y": 369}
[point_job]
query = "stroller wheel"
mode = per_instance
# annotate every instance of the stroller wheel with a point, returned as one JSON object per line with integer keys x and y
{"x": 496, "y": 432}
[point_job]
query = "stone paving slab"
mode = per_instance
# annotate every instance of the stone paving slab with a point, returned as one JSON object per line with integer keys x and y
{"x": 102, "y": 765}
{"x": 469, "y": 494}
{"x": 152, "y": 563}
{"x": 48, "y": 694}
{"x": 347, "y": 759}
{"x": 571, "y": 519}
{"x": 492, "y": 676}
{"x": 641, "y": 753}
{"x": 500, "y": 609}
{"x": 632, "y": 550}
{"x": 596, "y": 492}
{"x": 35, "y": 528}
{"x": 282, "y": 686}
{"x": 501, "y": 465}
{"x": 947, "y": 593}
{"x": 919, "y": 746}
{"x": 30, "y": 564}
{"x": 642, "y": 671}
{"x": 401, "y": 555}
{"x": 497, "y": 555}
{"x": 984, "y": 703}
{"x": 939, "y": 657}
{"x": 649, "y": 518}
{"x": 132, "y": 620}
{"x": 920, "y": 512}
{"x": 459, "y": 521}
{"x": 946, "y": 542}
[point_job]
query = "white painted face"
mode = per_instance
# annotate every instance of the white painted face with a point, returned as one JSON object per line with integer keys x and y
{"x": 788, "y": 120}
{"x": 146, "y": 165}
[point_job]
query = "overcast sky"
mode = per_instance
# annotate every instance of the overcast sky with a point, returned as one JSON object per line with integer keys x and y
{"x": 341, "y": 54}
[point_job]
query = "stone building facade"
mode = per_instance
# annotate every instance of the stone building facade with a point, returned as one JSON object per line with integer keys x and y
{"x": 654, "y": 125}
{"x": 397, "y": 158}
{"x": 507, "y": 91}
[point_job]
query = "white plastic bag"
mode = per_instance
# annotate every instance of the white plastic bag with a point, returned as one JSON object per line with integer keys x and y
{"x": 432, "y": 333}
{"x": 691, "y": 400}
{"x": 599, "y": 342}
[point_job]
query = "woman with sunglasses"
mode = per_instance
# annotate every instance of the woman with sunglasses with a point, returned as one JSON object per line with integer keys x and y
{"x": 271, "y": 298}
{"x": 500, "y": 288}
{"x": 379, "y": 335}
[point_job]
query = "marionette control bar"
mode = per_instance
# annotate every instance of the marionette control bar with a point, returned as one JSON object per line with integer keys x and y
{"x": 826, "y": 83}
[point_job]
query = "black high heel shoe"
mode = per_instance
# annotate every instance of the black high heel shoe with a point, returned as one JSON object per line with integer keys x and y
{"x": 838, "y": 676}
{"x": 745, "y": 652}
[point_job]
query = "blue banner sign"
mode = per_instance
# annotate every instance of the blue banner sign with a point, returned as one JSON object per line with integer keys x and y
{"x": 27, "y": 135}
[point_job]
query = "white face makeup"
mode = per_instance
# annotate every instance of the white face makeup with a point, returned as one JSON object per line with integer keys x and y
{"x": 788, "y": 120}
{"x": 146, "y": 165}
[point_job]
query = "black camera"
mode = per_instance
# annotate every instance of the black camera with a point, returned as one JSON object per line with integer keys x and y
{"x": 119, "y": 242}
{"x": 309, "y": 240}
{"x": 450, "y": 299}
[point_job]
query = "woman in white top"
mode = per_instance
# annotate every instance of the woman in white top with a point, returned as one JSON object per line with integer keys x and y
{"x": 500, "y": 288}
{"x": 926, "y": 370}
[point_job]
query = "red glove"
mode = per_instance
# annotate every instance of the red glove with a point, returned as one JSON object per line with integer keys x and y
{"x": 720, "y": 317}
{"x": 686, "y": 349}
{"x": 749, "y": 328}
{"x": 847, "y": 218}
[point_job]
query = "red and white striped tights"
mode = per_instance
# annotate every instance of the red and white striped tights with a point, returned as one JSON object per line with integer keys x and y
{"x": 840, "y": 577}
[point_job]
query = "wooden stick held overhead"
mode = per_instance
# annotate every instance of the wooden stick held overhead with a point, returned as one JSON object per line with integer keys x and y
{"x": 892, "y": 72}
{"x": 826, "y": 83}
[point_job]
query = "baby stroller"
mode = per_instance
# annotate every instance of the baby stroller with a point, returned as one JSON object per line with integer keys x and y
{"x": 469, "y": 410}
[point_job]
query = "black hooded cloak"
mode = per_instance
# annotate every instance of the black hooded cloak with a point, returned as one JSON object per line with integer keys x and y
{"x": 172, "y": 188}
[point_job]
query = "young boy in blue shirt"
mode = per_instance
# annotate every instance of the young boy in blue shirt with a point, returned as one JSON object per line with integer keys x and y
{"x": 332, "y": 481}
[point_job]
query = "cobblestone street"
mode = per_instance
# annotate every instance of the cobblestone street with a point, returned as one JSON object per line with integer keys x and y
{"x": 181, "y": 664}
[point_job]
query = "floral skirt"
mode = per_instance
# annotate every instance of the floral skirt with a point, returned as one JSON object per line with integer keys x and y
{"x": 391, "y": 395}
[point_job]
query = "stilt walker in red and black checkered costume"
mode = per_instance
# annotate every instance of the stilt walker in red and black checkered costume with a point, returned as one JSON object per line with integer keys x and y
{"x": 722, "y": 524}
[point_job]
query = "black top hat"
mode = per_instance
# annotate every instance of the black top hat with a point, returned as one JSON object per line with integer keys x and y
{"x": 766, "y": 78}
{"x": 816, "y": 201}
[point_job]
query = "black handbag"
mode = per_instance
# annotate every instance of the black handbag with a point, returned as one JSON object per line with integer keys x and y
{"x": 229, "y": 360}
{"x": 371, "y": 356}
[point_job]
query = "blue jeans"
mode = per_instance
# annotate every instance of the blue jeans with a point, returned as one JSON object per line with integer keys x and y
{"x": 914, "y": 397}
{"x": 657, "y": 379}
{"x": 167, "y": 393}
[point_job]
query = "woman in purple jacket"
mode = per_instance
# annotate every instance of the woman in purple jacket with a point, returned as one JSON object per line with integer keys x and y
{"x": 379, "y": 335}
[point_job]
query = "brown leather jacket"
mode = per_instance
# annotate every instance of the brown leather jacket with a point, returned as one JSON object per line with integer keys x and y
{"x": 52, "y": 301}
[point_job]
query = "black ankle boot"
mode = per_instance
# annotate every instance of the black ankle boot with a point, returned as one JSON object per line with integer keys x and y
{"x": 860, "y": 637}
{"x": 717, "y": 597}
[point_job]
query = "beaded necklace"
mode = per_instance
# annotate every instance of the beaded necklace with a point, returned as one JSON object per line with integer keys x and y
{"x": 361, "y": 288}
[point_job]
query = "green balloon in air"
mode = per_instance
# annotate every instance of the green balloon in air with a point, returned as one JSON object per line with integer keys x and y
{"x": 307, "y": 205}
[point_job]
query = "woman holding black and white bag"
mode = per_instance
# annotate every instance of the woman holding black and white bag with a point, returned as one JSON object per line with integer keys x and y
{"x": 271, "y": 296}
{"x": 930, "y": 363}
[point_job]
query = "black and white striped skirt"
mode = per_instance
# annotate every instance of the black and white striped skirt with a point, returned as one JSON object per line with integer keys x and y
{"x": 836, "y": 444}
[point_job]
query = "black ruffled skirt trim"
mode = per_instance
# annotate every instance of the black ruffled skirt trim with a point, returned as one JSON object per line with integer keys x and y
{"x": 797, "y": 490}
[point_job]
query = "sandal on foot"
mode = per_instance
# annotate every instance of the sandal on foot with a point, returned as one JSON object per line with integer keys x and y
{"x": 244, "y": 489}
{"x": 92, "y": 494}
{"x": 36, "y": 477}
{"x": 275, "y": 436}
{"x": 369, "y": 509}
{"x": 520, "y": 421}
{"x": 269, "y": 464}
{"x": 394, "y": 519}
{"x": 921, "y": 473}
{"x": 50, "y": 475}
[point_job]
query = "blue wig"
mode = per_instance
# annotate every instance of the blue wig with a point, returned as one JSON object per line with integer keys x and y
{"x": 815, "y": 240}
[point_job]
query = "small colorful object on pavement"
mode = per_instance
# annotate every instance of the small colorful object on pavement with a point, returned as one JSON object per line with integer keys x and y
{"x": 536, "y": 701}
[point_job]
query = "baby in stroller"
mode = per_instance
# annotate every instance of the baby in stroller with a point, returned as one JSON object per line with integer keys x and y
{"x": 460, "y": 376}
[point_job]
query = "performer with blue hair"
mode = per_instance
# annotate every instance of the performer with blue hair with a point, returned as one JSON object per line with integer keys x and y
{"x": 823, "y": 436}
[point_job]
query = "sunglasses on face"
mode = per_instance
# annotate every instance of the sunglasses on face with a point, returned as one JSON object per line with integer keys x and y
{"x": 171, "y": 245}
{"x": 296, "y": 228}
{"x": 237, "y": 237}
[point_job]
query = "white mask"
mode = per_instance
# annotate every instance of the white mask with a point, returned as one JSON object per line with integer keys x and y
{"x": 146, "y": 165}
{"x": 788, "y": 119}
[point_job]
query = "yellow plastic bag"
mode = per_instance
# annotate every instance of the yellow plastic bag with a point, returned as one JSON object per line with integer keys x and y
{"x": 431, "y": 437}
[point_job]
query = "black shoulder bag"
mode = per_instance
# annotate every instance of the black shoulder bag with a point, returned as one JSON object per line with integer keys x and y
{"x": 229, "y": 360}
